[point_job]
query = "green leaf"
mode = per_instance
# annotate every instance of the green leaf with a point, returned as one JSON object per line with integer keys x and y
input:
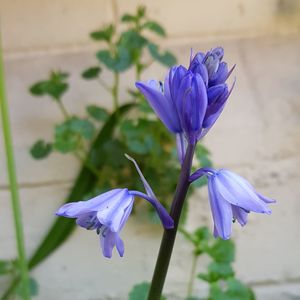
{"x": 68, "y": 134}
{"x": 140, "y": 292}
{"x": 98, "y": 113}
{"x": 83, "y": 127}
{"x": 155, "y": 27}
{"x": 222, "y": 251}
{"x": 131, "y": 39}
{"x": 141, "y": 11}
{"x": 217, "y": 271}
{"x": 232, "y": 289}
{"x": 84, "y": 184}
{"x": 91, "y": 73}
{"x": 127, "y": 18}
{"x": 33, "y": 288}
{"x": 238, "y": 291}
{"x": 40, "y": 149}
{"x": 120, "y": 62}
{"x": 104, "y": 34}
{"x": 55, "y": 87}
{"x": 138, "y": 138}
{"x": 165, "y": 58}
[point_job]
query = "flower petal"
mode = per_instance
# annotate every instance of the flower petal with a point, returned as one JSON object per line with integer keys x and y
{"x": 108, "y": 240}
{"x": 221, "y": 210}
{"x": 120, "y": 245}
{"x": 240, "y": 215}
{"x": 114, "y": 213}
{"x": 88, "y": 221}
{"x": 181, "y": 145}
{"x": 162, "y": 106}
{"x": 75, "y": 209}
{"x": 237, "y": 191}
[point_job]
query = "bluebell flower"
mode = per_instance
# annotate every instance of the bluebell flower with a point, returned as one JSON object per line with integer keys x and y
{"x": 190, "y": 100}
{"x": 108, "y": 213}
{"x": 231, "y": 198}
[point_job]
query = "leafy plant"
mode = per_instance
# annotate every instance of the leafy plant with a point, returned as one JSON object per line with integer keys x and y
{"x": 219, "y": 274}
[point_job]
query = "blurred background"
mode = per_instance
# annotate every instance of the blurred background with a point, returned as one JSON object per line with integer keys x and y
{"x": 257, "y": 136}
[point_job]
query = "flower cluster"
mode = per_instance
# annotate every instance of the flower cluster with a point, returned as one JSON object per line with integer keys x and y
{"x": 188, "y": 103}
{"x": 191, "y": 99}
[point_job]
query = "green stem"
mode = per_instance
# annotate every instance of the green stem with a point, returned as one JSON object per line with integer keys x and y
{"x": 137, "y": 72}
{"x": 11, "y": 169}
{"x": 115, "y": 90}
{"x": 63, "y": 109}
{"x": 192, "y": 276}
{"x": 167, "y": 243}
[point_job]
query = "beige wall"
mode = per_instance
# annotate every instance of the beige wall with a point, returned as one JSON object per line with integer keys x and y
{"x": 43, "y": 24}
{"x": 256, "y": 136}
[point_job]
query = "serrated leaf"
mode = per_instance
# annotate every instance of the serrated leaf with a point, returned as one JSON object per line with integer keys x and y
{"x": 91, "y": 73}
{"x": 217, "y": 271}
{"x": 166, "y": 58}
{"x": 104, "y": 34}
{"x": 83, "y": 127}
{"x": 55, "y": 87}
{"x": 98, "y": 113}
{"x": 154, "y": 27}
{"x": 232, "y": 289}
{"x": 40, "y": 149}
{"x": 120, "y": 62}
{"x": 68, "y": 134}
{"x": 131, "y": 39}
{"x": 127, "y": 18}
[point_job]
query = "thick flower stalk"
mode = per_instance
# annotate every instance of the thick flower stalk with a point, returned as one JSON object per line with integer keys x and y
{"x": 108, "y": 213}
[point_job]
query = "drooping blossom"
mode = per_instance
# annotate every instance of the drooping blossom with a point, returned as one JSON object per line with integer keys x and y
{"x": 231, "y": 198}
{"x": 108, "y": 213}
{"x": 190, "y": 100}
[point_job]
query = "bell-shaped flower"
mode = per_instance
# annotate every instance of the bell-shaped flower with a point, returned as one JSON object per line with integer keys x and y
{"x": 108, "y": 213}
{"x": 190, "y": 100}
{"x": 180, "y": 103}
{"x": 231, "y": 198}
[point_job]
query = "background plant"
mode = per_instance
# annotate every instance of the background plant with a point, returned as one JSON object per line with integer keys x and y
{"x": 219, "y": 273}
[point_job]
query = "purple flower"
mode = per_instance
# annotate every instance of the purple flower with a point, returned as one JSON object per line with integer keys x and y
{"x": 214, "y": 73}
{"x": 231, "y": 198}
{"x": 108, "y": 213}
{"x": 190, "y": 100}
